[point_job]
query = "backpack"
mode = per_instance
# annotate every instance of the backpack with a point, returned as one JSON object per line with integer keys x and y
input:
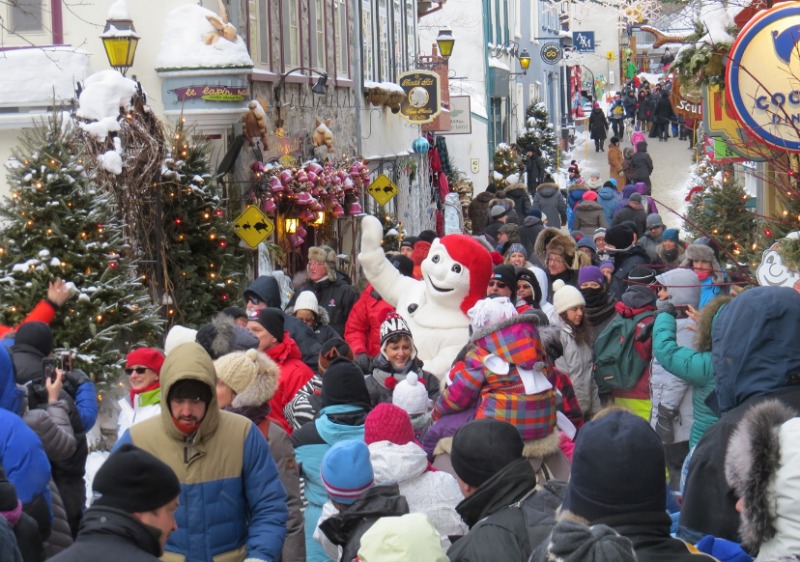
{"x": 618, "y": 365}
{"x": 618, "y": 112}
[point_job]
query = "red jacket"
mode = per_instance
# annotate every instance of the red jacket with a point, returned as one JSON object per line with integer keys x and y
{"x": 293, "y": 376}
{"x": 363, "y": 329}
{"x": 42, "y": 312}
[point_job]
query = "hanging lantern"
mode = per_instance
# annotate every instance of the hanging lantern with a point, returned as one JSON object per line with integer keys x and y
{"x": 421, "y": 146}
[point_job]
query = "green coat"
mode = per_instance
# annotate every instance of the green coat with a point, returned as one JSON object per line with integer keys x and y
{"x": 694, "y": 367}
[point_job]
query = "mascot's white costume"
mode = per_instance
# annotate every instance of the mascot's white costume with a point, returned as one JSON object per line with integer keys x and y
{"x": 772, "y": 272}
{"x": 455, "y": 275}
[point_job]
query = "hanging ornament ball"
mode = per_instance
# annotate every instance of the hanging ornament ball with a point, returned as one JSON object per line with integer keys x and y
{"x": 421, "y": 146}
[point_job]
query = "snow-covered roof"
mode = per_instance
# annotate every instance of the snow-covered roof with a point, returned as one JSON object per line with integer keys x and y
{"x": 497, "y": 63}
{"x": 183, "y": 47}
{"x": 32, "y": 77}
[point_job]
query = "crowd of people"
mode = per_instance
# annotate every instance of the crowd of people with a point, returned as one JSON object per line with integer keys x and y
{"x": 618, "y": 397}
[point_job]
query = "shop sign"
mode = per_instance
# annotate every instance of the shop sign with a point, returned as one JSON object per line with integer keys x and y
{"x": 422, "y": 101}
{"x": 287, "y": 150}
{"x": 720, "y": 122}
{"x": 686, "y": 102}
{"x": 382, "y": 189}
{"x": 212, "y": 93}
{"x": 583, "y": 41}
{"x": 762, "y": 76}
{"x": 551, "y": 53}
{"x": 460, "y": 116}
{"x": 253, "y": 226}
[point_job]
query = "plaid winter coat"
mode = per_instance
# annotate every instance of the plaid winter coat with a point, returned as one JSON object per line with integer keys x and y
{"x": 492, "y": 375}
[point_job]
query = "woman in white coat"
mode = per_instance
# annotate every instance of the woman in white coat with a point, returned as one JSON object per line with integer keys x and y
{"x": 143, "y": 367}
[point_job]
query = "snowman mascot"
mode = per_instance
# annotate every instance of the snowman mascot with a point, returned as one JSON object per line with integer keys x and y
{"x": 773, "y": 272}
{"x": 454, "y": 277}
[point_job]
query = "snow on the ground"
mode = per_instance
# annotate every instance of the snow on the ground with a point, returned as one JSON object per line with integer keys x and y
{"x": 34, "y": 76}
{"x": 93, "y": 464}
{"x": 183, "y": 47}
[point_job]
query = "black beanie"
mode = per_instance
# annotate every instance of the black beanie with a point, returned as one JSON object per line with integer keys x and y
{"x": 482, "y": 448}
{"x": 620, "y": 236}
{"x": 505, "y": 273}
{"x": 343, "y": 384}
{"x": 134, "y": 481}
{"x": 189, "y": 389}
{"x": 529, "y": 277}
{"x": 641, "y": 275}
{"x": 427, "y": 236}
{"x": 271, "y": 319}
{"x": 36, "y": 335}
{"x": 403, "y": 264}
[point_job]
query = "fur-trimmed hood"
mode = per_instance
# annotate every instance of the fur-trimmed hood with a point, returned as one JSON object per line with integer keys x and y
{"x": 553, "y": 240}
{"x": 222, "y": 336}
{"x": 762, "y": 465}
{"x": 323, "y": 318}
{"x": 707, "y": 315}
{"x": 703, "y": 253}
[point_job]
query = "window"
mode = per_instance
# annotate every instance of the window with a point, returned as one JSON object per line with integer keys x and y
{"x": 26, "y": 15}
{"x": 384, "y": 72}
{"x": 318, "y": 36}
{"x": 341, "y": 37}
{"x": 291, "y": 38}
{"x": 398, "y": 38}
{"x": 534, "y": 14}
{"x": 259, "y": 25}
{"x": 366, "y": 34}
{"x": 411, "y": 41}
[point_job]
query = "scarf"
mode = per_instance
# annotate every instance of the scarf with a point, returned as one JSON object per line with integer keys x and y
{"x": 255, "y": 414}
{"x": 135, "y": 393}
{"x": 702, "y": 274}
{"x": 387, "y": 374}
{"x": 598, "y": 305}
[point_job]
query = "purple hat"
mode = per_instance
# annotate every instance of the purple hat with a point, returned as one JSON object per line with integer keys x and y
{"x": 607, "y": 264}
{"x": 591, "y": 273}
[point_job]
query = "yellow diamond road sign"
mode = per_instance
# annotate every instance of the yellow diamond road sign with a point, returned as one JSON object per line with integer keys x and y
{"x": 253, "y": 226}
{"x": 382, "y": 189}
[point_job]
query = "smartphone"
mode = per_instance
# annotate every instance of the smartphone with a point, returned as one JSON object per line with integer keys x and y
{"x": 49, "y": 366}
{"x": 66, "y": 361}
{"x": 681, "y": 311}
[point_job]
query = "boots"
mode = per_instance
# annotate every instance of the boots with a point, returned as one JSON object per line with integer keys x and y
{"x": 664, "y": 424}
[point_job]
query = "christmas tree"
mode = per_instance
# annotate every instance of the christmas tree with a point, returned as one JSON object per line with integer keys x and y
{"x": 506, "y": 162}
{"x": 539, "y": 134}
{"x": 59, "y": 224}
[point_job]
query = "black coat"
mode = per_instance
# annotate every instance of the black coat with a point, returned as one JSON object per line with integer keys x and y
{"x": 664, "y": 110}
{"x": 478, "y": 212}
{"x": 628, "y": 213}
{"x": 337, "y": 297}
{"x": 641, "y": 164}
{"x": 534, "y": 170}
{"x": 598, "y": 124}
{"x": 624, "y": 263}
{"x": 522, "y": 201}
{"x": 112, "y": 534}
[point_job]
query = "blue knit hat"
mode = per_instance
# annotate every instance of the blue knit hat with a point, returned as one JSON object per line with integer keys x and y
{"x": 670, "y": 234}
{"x": 346, "y": 471}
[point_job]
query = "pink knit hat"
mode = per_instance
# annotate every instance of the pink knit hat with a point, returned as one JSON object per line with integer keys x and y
{"x": 387, "y": 422}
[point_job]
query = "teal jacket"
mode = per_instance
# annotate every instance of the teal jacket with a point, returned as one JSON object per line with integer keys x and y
{"x": 694, "y": 367}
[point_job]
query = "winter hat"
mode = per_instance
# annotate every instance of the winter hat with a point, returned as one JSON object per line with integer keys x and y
{"x": 498, "y": 211}
{"x": 671, "y": 234}
{"x": 271, "y": 319}
{"x": 620, "y": 236}
{"x": 654, "y": 219}
{"x": 517, "y": 248}
{"x": 527, "y": 276}
{"x": 589, "y": 196}
{"x": 178, "y": 335}
{"x": 641, "y": 275}
{"x": 387, "y": 422}
{"x": 505, "y": 273}
{"x": 190, "y": 389}
{"x": 553, "y": 241}
{"x": 762, "y": 465}
{"x": 726, "y": 551}
{"x": 635, "y": 198}
{"x": 134, "y": 481}
{"x": 235, "y": 312}
{"x": 599, "y": 233}
{"x": 591, "y": 273}
{"x": 683, "y": 286}
{"x": 511, "y": 230}
{"x": 566, "y": 297}
{"x": 471, "y": 254}
{"x": 490, "y": 311}
{"x": 251, "y": 374}
{"x": 427, "y": 236}
{"x": 9, "y": 502}
{"x": 403, "y": 264}
{"x": 36, "y": 336}
{"x": 617, "y": 468}
{"x": 607, "y": 264}
{"x": 326, "y": 255}
{"x": 484, "y": 447}
{"x": 571, "y": 541}
{"x": 641, "y": 187}
{"x": 307, "y": 300}
{"x": 535, "y": 213}
{"x": 343, "y": 385}
{"x": 346, "y": 471}
{"x": 146, "y": 357}
{"x": 408, "y": 538}
{"x": 395, "y": 326}
{"x": 611, "y": 183}
{"x": 586, "y": 242}
{"x": 411, "y": 395}
{"x": 222, "y": 335}
{"x": 497, "y": 258}
{"x": 330, "y": 350}
{"x": 266, "y": 289}
{"x": 408, "y": 242}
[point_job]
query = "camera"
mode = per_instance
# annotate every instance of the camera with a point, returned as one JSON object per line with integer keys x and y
{"x": 66, "y": 361}
{"x": 49, "y": 366}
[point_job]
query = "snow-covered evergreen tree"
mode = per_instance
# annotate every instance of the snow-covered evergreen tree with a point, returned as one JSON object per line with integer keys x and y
{"x": 59, "y": 224}
{"x": 506, "y": 162}
{"x": 539, "y": 134}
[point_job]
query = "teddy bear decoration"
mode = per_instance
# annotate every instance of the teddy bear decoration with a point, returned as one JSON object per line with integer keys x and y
{"x": 222, "y": 27}
{"x": 255, "y": 123}
{"x": 322, "y": 135}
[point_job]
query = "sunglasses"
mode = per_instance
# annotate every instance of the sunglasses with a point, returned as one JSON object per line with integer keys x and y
{"x": 254, "y": 300}
{"x": 139, "y": 371}
{"x": 498, "y": 284}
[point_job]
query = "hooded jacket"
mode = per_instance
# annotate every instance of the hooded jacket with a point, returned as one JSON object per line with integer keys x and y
{"x": 641, "y": 164}
{"x": 435, "y": 494}
{"x": 550, "y": 202}
{"x": 529, "y": 231}
{"x": 629, "y": 213}
{"x": 608, "y": 198}
{"x": 598, "y": 124}
{"x": 294, "y": 375}
{"x": 336, "y": 296}
{"x": 756, "y": 356}
{"x": 509, "y": 516}
{"x": 232, "y": 503}
{"x": 577, "y": 363}
{"x": 322, "y": 330}
{"x": 589, "y": 216}
{"x": 615, "y": 164}
{"x": 518, "y": 193}
{"x": 363, "y": 329}
{"x": 479, "y": 212}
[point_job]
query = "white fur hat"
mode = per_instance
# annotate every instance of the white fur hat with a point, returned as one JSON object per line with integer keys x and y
{"x": 307, "y": 301}
{"x": 176, "y": 336}
{"x": 566, "y": 296}
{"x": 489, "y": 311}
{"x": 411, "y": 395}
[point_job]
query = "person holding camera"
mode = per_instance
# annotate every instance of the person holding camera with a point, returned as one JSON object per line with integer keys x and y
{"x": 42, "y": 375}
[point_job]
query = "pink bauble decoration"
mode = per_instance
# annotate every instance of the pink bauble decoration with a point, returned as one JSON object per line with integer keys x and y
{"x": 269, "y": 206}
{"x": 348, "y": 184}
{"x": 276, "y": 186}
{"x": 285, "y": 176}
{"x": 315, "y": 206}
{"x": 301, "y": 176}
{"x": 337, "y": 211}
{"x": 257, "y": 167}
{"x": 296, "y": 241}
{"x": 308, "y": 216}
{"x": 303, "y": 198}
{"x": 355, "y": 208}
{"x": 311, "y": 177}
{"x": 341, "y": 174}
{"x": 301, "y": 232}
{"x": 314, "y": 167}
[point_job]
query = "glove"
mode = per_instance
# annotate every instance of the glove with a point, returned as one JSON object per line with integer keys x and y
{"x": 646, "y": 332}
{"x": 665, "y": 306}
{"x": 76, "y": 377}
{"x": 364, "y": 362}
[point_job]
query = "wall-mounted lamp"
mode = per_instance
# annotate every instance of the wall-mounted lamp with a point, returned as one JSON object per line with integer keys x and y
{"x": 445, "y": 41}
{"x": 319, "y": 88}
{"x": 524, "y": 62}
{"x": 290, "y": 225}
{"x": 120, "y": 41}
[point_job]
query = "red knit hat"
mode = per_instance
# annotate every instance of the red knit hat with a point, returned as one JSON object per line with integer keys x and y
{"x": 146, "y": 357}
{"x": 387, "y": 422}
{"x": 471, "y": 254}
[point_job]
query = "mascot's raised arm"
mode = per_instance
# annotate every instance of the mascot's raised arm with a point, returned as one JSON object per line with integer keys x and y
{"x": 454, "y": 277}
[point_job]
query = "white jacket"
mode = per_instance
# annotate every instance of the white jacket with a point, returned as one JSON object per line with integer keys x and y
{"x": 128, "y": 415}
{"x": 434, "y": 494}
{"x": 577, "y": 363}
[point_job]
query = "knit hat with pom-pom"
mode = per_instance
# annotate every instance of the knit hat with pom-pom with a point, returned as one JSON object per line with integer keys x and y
{"x": 251, "y": 375}
{"x": 566, "y": 297}
{"x": 490, "y": 311}
{"x": 411, "y": 395}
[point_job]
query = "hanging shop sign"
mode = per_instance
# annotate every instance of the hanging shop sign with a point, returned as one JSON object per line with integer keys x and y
{"x": 460, "y": 116}
{"x": 422, "y": 101}
{"x": 212, "y": 93}
{"x": 719, "y": 121}
{"x": 761, "y": 76}
{"x": 253, "y": 226}
{"x": 551, "y": 53}
{"x": 583, "y": 41}
{"x": 382, "y": 189}
{"x": 686, "y": 102}
{"x": 287, "y": 150}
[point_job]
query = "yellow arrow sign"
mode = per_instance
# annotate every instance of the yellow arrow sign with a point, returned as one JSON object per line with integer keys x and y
{"x": 382, "y": 189}
{"x": 253, "y": 226}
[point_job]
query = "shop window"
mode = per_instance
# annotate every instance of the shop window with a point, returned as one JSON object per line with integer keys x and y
{"x": 260, "y": 37}
{"x": 341, "y": 38}
{"x": 291, "y": 36}
{"x": 398, "y": 38}
{"x": 25, "y": 16}
{"x": 368, "y": 40}
{"x": 383, "y": 41}
{"x": 318, "y": 36}
{"x": 411, "y": 40}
